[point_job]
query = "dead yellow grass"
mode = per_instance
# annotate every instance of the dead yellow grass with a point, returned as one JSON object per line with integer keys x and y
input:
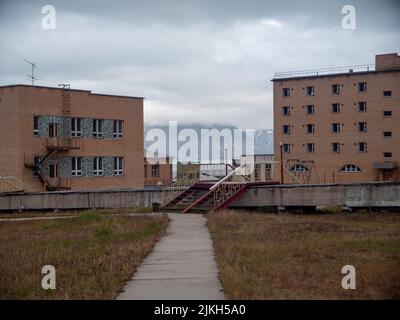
{"x": 94, "y": 254}
{"x": 286, "y": 256}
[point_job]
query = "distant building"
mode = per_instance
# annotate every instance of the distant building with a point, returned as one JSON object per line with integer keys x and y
{"x": 68, "y": 139}
{"x": 158, "y": 172}
{"x": 339, "y": 125}
{"x": 264, "y": 168}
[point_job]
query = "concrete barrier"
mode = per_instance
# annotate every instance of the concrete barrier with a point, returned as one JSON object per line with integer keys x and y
{"x": 356, "y": 195}
{"x": 352, "y": 195}
{"x": 78, "y": 200}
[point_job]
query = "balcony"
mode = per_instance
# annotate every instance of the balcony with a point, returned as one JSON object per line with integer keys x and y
{"x": 57, "y": 183}
{"x": 62, "y": 144}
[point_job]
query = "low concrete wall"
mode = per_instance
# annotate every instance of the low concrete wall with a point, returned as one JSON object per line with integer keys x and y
{"x": 343, "y": 195}
{"x": 377, "y": 195}
{"x": 79, "y": 200}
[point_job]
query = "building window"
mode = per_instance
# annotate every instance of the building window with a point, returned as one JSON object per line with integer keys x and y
{"x": 362, "y": 87}
{"x": 97, "y": 128}
{"x": 336, "y": 88}
{"x": 286, "y": 129}
{"x": 336, "y": 147}
{"x": 117, "y": 131}
{"x": 336, "y": 127}
{"x": 362, "y": 146}
{"x": 286, "y": 111}
{"x": 387, "y": 93}
{"x": 299, "y": 168}
{"x": 310, "y": 147}
{"x": 350, "y": 168}
{"x": 387, "y": 134}
{"x": 286, "y": 92}
{"x": 76, "y": 166}
{"x": 97, "y": 166}
{"x": 286, "y": 148}
{"x": 118, "y": 166}
{"x": 155, "y": 170}
{"x": 362, "y": 127}
{"x": 335, "y": 107}
{"x": 362, "y": 106}
{"x": 387, "y": 113}
{"x": 310, "y": 91}
{"x": 310, "y": 109}
{"x": 76, "y": 128}
{"x": 310, "y": 128}
{"x": 35, "y": 125}
{"x": 387, "y": 155}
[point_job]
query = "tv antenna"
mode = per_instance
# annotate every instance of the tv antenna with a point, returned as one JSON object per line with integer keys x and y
{"x": 32, "y": 75}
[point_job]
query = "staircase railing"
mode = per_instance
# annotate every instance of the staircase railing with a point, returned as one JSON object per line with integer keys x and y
{"x": 13, "y": 184}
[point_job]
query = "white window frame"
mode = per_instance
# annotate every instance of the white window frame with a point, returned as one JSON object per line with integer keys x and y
{"x": 350, "y": 168}
{"x": 312, "y": 126}
{"x": 77, "y": 131}
{"x": 97, "y": 166}
{"x": 98, "y": 128}
{"x": 118, "y": 127}
{"x": 364, "y": 104}
{"x": 287, "y": 108}
{"x": 337, "y": 106}
{"x": 364, "y": 124}
{"x": 310, "y": 107}
{"x": 77, "y": 163}
{"x": 338, "y": 126}
{"x": 155, "y": 170}
{"x": 286, "y": 92}
{"x": 284, "y": 127}
{"x": 299, "y": 168}
{"x": 118, "y": 166}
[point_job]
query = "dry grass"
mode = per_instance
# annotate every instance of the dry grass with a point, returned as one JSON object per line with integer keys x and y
{"x": 94, "y": 254}
{"x": 286, "y": 256}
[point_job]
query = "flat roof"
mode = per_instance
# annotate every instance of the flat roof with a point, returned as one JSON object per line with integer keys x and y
{"x": 79, "y": 90}
{"x": 321, "y": 73}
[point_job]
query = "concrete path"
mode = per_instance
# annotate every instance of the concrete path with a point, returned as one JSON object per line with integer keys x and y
{"x": 181, "y": 266}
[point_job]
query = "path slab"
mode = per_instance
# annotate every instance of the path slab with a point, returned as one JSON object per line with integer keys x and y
{"x": 181, "y": 266}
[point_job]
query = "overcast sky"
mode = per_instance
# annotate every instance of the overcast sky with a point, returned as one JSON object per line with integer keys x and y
{"x": 193, "y": 60}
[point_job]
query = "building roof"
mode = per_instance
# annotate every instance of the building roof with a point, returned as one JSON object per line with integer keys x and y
{"x": 79, "y": 90}
{"x": 331, "y": 72}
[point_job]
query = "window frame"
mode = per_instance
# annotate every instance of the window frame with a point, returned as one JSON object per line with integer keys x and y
{"x": 338, "y": 127}
{"x": 338, "y": 145}
{"x": 98, "y": 169}
{"x": 77, "y": 163}
{"x": 310, "y": 107}
{"x": 365, "y": 149}
{"x": 36, "y": 126}
{"x": 310, "y": 91}
{"x": 156, "y": 172}
{"x": 76, "y": 127}
{"x": 354, "y": 168}
{"x": 118, "y": 128}
{"x": 312, "y": 145}
{"x": 118, "y": 166}
{"x": 98, "y": 128}
{"x": 364, "y": 86}
{"x": 337, "y": 106}
{"x": 336, "y": 89}
{"x": 286, "y": 92}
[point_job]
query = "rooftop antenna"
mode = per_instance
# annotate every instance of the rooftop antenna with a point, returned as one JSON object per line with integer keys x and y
{"x": 32, "y": 75}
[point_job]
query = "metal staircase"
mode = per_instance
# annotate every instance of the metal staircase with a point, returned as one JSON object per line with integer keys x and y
{"x": 203, "y": 197}
{"x": 54, "y": 144}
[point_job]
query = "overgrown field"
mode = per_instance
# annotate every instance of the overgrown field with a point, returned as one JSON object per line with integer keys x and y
{"x": 93, "y": 254}
{"x": 287, "y": 256}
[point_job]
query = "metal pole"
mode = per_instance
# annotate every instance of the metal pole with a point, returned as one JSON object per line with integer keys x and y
{"x": 281, "y": 149}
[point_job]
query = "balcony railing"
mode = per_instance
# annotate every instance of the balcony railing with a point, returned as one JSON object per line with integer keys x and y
{"x": 61, "y": 144}
{"x": 57, "y": 183}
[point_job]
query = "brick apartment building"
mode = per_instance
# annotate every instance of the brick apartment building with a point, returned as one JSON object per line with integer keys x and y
{"x": 158, "y": 172}
{"x": 339, "y": 125}
{"x": 61, "y": 138}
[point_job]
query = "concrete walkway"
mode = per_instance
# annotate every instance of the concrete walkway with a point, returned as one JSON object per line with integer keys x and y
{"x": 181, "y": 266}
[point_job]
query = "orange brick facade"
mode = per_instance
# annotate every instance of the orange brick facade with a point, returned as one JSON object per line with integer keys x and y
{"x": 341, "y": 127}
{"x": 28, "y": 112}
{"x": 158, "y": 172}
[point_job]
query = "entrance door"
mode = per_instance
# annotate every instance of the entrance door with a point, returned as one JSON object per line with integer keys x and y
{"x": 53, "y": 130}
